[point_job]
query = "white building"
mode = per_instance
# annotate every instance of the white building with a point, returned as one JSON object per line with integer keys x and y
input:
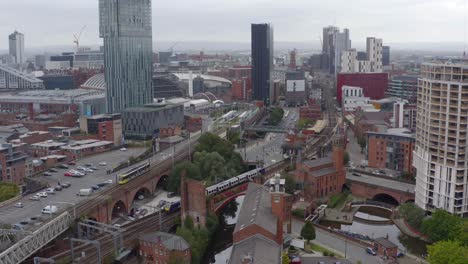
{"x": 440, "y": 156}
{"x": 353, "y": 98}
{"x": 373, "y": 63}
{"x": 13, "y": 79}
{"x": 16, "y": 44}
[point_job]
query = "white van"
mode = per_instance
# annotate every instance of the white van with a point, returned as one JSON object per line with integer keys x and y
{"x": 85, "y": 192}
{"x": 49, "y": 209}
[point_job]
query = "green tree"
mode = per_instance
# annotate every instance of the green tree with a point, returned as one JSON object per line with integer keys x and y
{"x": 211, "y": 165}
{"x": 345, "y": 158}
{"x": 190, "y": 170}
{"x": 303, "y": 123}
{"x": 290, "y": 185}
{"x": 442, "y": 226}
{"x": 444, "y": 252}
{"x": 412, "y": 214}
{"x": 275, "y": 117}
{"x": 308, "y": 231}
{"x": 188, "y": 222}
{"x": 198, "y": 239}
{"x": 285, "y": 258}
{"x": 463, "y": 235}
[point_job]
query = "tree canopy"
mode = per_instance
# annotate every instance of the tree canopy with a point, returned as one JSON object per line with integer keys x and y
{"x": 412, "y": 214}
{"x": 8, "y": 191}
{"x": 191, "y": 171}
{"x": 442, "y": 226}
{"x": 444, "y": 252}
{"x": 290, "y": 185}
{"x": 276, "y": 115}
{"x": 308, "y": 231}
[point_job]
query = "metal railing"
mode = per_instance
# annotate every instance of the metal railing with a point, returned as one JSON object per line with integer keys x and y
{"x": 31, "y": 243}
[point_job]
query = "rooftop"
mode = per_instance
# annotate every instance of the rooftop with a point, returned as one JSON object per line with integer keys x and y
{"x": 385, "y": 242}
{"x": 318, "y": 162}
{"x": 400, "y": 132}
{"x": 170, "y": 241}
{"x": 257, "y": 249}
{"x": 151, "y": 108}
{"x": 21, "y": 74}
{"x": 48, "y": 144}
{"x": 324, "y": 171}
{"x": 186, "y": 76}
{"x": 256, "y": 209}
{"x": 52, "y": 96}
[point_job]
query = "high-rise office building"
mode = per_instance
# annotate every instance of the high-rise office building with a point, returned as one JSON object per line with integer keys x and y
{"x": 386, "y": 55}
{"x": 262, "y": 62}
{"x": 369, "y": 61}
{"x": 440, "y": 157}
{"x": 16, "y": 45}
{"x": 125, "y": 26}
{"x": 374, "y": 53}
{"x": 334, "y": 43}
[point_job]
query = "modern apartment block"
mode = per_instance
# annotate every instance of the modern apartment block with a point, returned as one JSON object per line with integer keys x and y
{"x": 125, "y": 27}
{"x": 404, "y": 87}
{"x": 354, "y": 61}
{"x": 440, "y": 157}
{"x": 334, "y": 43}
{"x": 16, "y": 47}
{"x": 262, "y": 62}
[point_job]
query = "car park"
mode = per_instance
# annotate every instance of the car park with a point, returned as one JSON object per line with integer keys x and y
{"x": 42, "y": 194}
{"x": 46, "y": 174}
{"x": 35, "y": 198}
{"x": 19, "y": 205}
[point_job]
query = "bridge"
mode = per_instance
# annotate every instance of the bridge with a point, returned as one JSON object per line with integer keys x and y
{"x": 272, "y": 129}
{"x": 380, "y": 189}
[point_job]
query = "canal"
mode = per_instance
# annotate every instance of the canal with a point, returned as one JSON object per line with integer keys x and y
{"x": 405, "y": 243}
{"x": 220, "y": 247}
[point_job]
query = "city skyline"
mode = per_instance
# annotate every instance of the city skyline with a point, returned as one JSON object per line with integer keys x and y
{"x": 369, "y": 19}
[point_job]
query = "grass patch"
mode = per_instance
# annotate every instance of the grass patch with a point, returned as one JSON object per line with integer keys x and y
{"x": 337, "y": 200}
{"x": 8, "y": 191}
{"x": 324, "y": 251}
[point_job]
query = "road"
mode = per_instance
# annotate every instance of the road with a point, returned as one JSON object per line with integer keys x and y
{"x": 354, "y": 149}
{"x": 67, "y": 197}
{"x": 354, "y": 251}
{"x": 269, "y": 149}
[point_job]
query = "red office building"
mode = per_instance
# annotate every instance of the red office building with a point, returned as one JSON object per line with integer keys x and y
{"x": 374, "y": 85}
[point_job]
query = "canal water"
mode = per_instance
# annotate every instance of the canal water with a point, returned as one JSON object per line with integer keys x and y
{"x": 220, "y": 247}
{"x": 404, "y": 242}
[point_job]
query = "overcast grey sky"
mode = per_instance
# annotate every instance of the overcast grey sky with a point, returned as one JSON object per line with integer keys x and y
{"x": 53, "y": 22}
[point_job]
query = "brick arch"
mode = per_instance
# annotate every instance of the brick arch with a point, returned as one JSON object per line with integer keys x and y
{"x": 148, "y": 186}
{"x": 162, "y": 177}
{"x": 118, "y": 203}
{"x": 226, "y": 201}
{"x": 386, "y": 197}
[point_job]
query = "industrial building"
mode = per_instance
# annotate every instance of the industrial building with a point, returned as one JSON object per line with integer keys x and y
{"x": 147, "y": 121}
{"x": 441, "y": 137}
{"x": 13, "y": 79}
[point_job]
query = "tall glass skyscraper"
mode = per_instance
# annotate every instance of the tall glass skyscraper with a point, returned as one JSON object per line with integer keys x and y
{"x": 262, "y": 62}
{"x": 125, "y": 26}
{"x": 16, "y": 45}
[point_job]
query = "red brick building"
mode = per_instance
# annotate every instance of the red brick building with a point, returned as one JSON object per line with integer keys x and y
{"x": 322, "y": 177}
{"x": 193, "y": 123}
{"x": 34, "y": 137}
{"x": 107, "y": 127}
{"x": 170, "y": 131}
{"x": 258, "y": 235}
{"x": 311, "y": 112}
{"x": 160, "y": 247}
{"x": 384, "y": 247}
{"x": 392, "y": 149}
{"x": 14, "y": 164}
{"x": 374, "y": 85}
{"x": 241, "y": 88}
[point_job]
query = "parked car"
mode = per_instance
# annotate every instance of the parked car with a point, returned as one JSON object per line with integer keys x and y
{"x": 71, "y": 163}
{"x": 81, "y": 168}
{"x": 102, "y": 184}
{"x": 109, "y": 181}
{"x": 123, "y": 149}
{"x": 42, "y": 194}
{"x": 400, "y": 255}
{"x": 65, "y": 184}
{"x": 18, "y": 227}
{"x": 356, "y": 174}
{"x": 46, "y": 174}
{"x": 49, "y": 209}
{"x": 58, "y": 188}
{"x": 88, "y": 170}
{"x": 50, "y": 191}
{"x": 68, "y": 174}
{"x": 85, "y": 192}
{"x": 383, "y": 172}
{"x": 95, "y": 187}
{"x": 171, "y": 194}
{"x": 103, "y": 163}
{"x": 53, "y": 170}
{"x": 35, "y": 198}
{"x": 62, "y": 166}
{"x": 93, "y": 168}
{"x": 370, "y": 251}
{"x": 89, "y": 164}
{"x": 19, "y": 205}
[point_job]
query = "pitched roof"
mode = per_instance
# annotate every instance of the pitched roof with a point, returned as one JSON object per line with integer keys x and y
{"x": 256, "y": 209}
{"x": 385, "y": 242}
{"x": 170, "y": 241}
{"x": 258, "y": 249}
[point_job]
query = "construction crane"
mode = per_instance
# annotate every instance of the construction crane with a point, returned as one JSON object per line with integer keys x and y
{"x": 171, "y": 48}
{"x": 76, "y": 38}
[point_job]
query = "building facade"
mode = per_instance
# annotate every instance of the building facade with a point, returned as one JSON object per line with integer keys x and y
{"x": 13, "y": 163}
{"x": 385, "y": 55}
{"x": 160, "y": 247}
{"x": 374, "y": 85}
{"x": 296, "y": 90}
{"x": 392, "y": 149}
{"x": 147, "y": 121}
{"x": 369, "y": 61}
{"x": 125, "y": 27}
{"x": 16, "y": 47}
{"x": 404, "y": 115}
{"x": 353, "y": 98}
{"x": 262, "y": 62}
{"x": 441, "y": 136}
{"x": 107, "y": 127}
{"x": 13, "y": 79}
{"x": 404, "y": 87}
